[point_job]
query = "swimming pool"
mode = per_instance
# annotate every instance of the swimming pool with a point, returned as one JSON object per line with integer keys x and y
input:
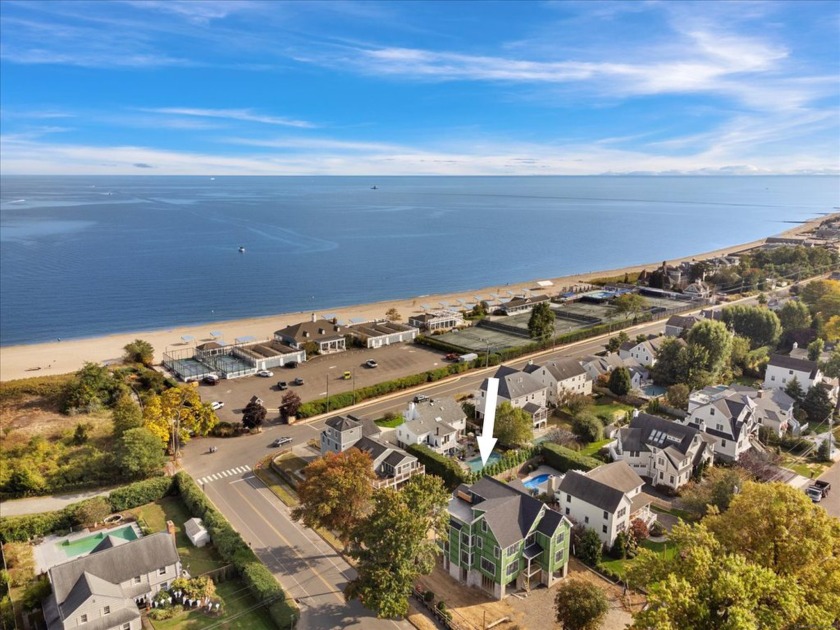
{"x": 534, "y": 482}
{"x": 475, "y": 462}
{"x": 88, "y": 543}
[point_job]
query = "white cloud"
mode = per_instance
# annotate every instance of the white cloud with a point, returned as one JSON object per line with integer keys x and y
{"x": 244, "y": 115}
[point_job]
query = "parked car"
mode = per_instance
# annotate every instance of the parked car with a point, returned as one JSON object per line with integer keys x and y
{"x": 347, "y": 375}
{"x": 297, "y": 381}
{"x": 371, "y": 363}
{"x": 281, "y": 441}
{"x": 216, "y": 405}
{"x": 281, "y": 385}
{"x": 420, "y": 398}
{"x": 452, "y": 356}
{"x": 211, "y": 379}
{"x": 823, "y": 486}
{"x": 265, "y": 373}
{"x": 814, "y": 493}
{"x": 291, "y": 365}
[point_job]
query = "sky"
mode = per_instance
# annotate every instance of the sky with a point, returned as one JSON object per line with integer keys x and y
{"x": 185, "y": 87}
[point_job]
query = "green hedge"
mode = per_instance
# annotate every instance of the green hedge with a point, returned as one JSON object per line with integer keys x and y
{"x": 346, "y": 399}
{"x": 140, "y": 493}
{"x": 436, "y": 464}
{"x": 565, "y": 459}
{"x": 235, "y": 550}
{"x": 509, "y": 460}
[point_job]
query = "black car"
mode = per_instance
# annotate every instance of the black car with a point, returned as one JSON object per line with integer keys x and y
{"x": 420, "y": 398}
{"x": 297, "y": 381}
{"x": 281, "y": 385}
{"x": 291, "y": 365}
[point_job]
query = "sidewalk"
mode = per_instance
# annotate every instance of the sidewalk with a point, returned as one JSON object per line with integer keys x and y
{"x": 35, "y": 505}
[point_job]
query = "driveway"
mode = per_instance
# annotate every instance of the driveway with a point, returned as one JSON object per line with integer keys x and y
{"x": 831, "y": 503}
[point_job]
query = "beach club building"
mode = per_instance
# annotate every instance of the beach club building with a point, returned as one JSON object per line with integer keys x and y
{"x": 382, "y": 333}
{"x": 437, "y": 320}
{"x": 522, "y": 304}
{"x": 327, "y": 335}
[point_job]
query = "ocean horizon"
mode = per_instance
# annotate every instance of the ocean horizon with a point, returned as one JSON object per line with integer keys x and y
{"x": 84, "y": 256}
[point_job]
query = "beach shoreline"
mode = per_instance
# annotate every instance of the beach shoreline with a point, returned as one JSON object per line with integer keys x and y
{"x": 60, "y": 357}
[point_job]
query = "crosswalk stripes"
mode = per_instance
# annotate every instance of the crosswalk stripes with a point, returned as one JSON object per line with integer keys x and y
{"x": 239, "y": 470}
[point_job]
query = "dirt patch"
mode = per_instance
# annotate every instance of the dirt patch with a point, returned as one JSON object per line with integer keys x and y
{"x": 419, "y": 620}
{"x": 30, "y": 416}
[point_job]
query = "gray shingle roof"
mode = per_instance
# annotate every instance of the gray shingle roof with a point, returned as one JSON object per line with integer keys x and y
{"x": 108, "y": 542}
{"x": 431, "y": 414}
{"x": 312, "y": 331}
{"x": 645, "y": 430}
{"x": 561, "y": 369}
{"x": 791, "y": 363}
{"x": 513, "y": 383}
{"x": 617, "y": 475}
{"x": 193, "y": 527}
{"x": 342, "y": 423}
{"x": 510, "y": 513}
{"x": 591, "y": 491}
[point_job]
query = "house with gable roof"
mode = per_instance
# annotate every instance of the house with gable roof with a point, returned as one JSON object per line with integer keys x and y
{"x": 730, "y": 419}
{"x": 679, "y": 324}
{"x": 104, "y": 589}
{"x": 643, "y": 352}
{"x": 607, "y": 499}
{"x": 664, "y": 451}
{"x": 392, "y": 465}
{"x": 503, "y": 539}
{"x": 521, "y": 390}
{"x": 327, "y": 335}
{"x": 561, "y": 376}
{"x": 438, "y": 423}
{"x": 773, "y": 407}
{"x": 782, "y": 369}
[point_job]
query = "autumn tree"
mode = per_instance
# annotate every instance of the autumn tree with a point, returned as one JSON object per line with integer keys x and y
{"x": 397, "y": 544}
{"x": 178, "y": 412}
{"x": 290, "y": 404}
{"x": 254, "y": 415}
{"x": 139, "y": 351}
{"x": 541, "y": 322}
{"x": 760, "y": 325}
{"x": 513, "y": 426}
{"x": 620, "y": 383}
{"x": 336, "y": 492}
{"x": 580, "y": 605}
{"x": 794, "y": 315}
{"x": 139, "y": 453}
{"x": 126, "y": 416}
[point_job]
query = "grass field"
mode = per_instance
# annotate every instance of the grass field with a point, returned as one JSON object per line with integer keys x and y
{"x": 590, "y": 449}
{"x": 610, "y": 410}
{"x": 389, "y": 423}
{"x": 196, "y": 560}
{"x": 290, "y": 463}
{"x": 241, "y": 612}
{"x": 668, "y": 550}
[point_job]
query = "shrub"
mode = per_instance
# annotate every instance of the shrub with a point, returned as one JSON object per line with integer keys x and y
{"x": 36, "y": 592}
{"x": 587, "y": 545}
{"x": 140, "y": 493}
{"x": 444, "y": 467}
{"x": 225, "y": 429}
{"x": 588, "y": 427}
{"x": 23, "y": 528}
{"x": 428, "y": 596}
{"x": 565, "y": 459}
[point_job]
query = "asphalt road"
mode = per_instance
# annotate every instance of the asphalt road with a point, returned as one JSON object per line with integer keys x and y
{"x": 310, "y": 571}
{"x": 831, "y": 503}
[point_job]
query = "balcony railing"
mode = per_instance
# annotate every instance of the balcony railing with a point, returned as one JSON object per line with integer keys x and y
{"x": 531, "y": 570}
{"x": 393, "y": 482}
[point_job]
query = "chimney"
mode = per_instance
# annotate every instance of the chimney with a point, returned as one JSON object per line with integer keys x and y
{"x": 314, "y": 317}
{"x": 170, "y": 529}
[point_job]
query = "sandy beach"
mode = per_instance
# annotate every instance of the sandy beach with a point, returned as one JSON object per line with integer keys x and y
{"x": 60, "y": 357}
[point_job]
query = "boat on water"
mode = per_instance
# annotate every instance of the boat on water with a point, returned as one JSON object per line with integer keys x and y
{"x": 373, "y": 188}
{"x": 241, "y": 249}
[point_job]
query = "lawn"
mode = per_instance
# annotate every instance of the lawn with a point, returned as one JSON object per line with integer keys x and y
{"x": 669, "y": 550}
{"x": 683, "y": 514}
{"x": 805, "y": 468}
{"x": 591, "y": 449}
{"x": 241, "y": 612}
{"x": 290, "y": 463}
{"x": 154, "y": 516}
{"x": 611, "y": 411}
{"x": 389, "y": 423}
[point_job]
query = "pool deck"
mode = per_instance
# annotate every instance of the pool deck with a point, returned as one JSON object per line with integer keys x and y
{"x": 50, "y": 552}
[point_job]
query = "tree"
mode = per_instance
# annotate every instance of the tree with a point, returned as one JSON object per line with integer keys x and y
{"x": 639, "y": 530}
{"x": 576, "y": 402}
{"x": 629, "y": 305}
{"x": 139, "y": 351}
{"x": 25, "y": 480}
{"x": 253, "y": 415}
{"x": 336, "y": 492}
{"x": 580, "y": 605}
{"x": 178, "y": 412}
{"x": 715, "y": 339}
{"x": 620, "y": 383}
{"x": 513, "y": 427}
{"x": 613, "y": 344}
{"x": 678, "y": 396}
{"x": 480, "y": 310}
{"x": 587, "y": 544}
{"x": 393, "y": 315}
{"x": 794, "y": 315}
{"x": 671, "y": 365}
{"x": 716, "y": 490}
{"x": 393, "y": 546}
{"x": 794, "y": 390}
{"x": 139, "y": 453}
{"x": 831, "y": 328}
{"x": 92, "y": 388}
{"x": 760, "y": 325}
{"x": 817, "y": 404}
{"x": 92, "y": 511}
{"x": 588, "y": 427}
{"x": 541, "y": 322}
{"x": 831, "y": 368}
{"x": 823, "y": 451}
{"x": 290, "y": 404}
{"x": 815, "y": 349}
{"x": 127, "y": 415}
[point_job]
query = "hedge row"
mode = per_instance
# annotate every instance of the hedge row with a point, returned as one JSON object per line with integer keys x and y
{"x": 45, "y": 386}
{"x": 233, "y": 549}
{"x": 565, "y": 459}
{"x": 436, "y": 464}
{"x": 26, "y": 527}
{"x": 346, "y": 399}
{"x": 509, "y": 460}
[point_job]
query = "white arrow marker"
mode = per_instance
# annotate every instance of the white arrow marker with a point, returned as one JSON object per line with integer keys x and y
{"x": 486, "y": 441}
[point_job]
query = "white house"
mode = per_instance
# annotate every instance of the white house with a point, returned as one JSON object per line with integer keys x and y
{"x": 773, "y": 407}
{"x": 607, "y": 499}
{"x": 782, "y": 369}
{"x": 661, "y": 450}
{"x": 382, "y": 333}
{"x": 560, "y": 377}
{"x": 104, "y": 589}
{"x": 731, "y": 420}
{"x": 438, "y": 423}
{"x": 521, "y": 390}
{"x": 644, "y": 352}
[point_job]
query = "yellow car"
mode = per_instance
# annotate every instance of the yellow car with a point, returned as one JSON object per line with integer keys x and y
{"x": 347, "y": 376}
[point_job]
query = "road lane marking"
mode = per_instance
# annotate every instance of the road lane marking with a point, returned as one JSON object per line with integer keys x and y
{"x": 331, "y": 587}
{"x": 239, "y": 470}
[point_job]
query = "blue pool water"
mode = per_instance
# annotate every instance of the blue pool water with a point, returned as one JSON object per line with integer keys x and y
{"x": 475, "y": 462}
{"x": 534, "y": 482}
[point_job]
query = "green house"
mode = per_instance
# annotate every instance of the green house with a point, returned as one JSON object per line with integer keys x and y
{"x": 502, "y": 539}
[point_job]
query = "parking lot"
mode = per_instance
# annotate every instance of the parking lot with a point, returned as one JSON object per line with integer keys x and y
{"x": 320, "y": 373}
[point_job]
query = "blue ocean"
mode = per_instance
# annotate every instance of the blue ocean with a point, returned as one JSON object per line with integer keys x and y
{"x": 85, "y": 256}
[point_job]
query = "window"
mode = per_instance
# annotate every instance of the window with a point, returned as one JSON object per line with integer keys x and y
{"x": 106, "y": 610}
{"x": 560, "y": 537}
{"x": 772, "y": 378}
{"x": 790, "y": 371}
{"x": 479, "y": 542}
{"x": 604, "y": 528}
{"x": 622, "y": 512}
{"x": 606, "y": 515}
{"x": 719, "y": 427}
{"x": 466, "y": 559}
{"x": 488, "y": 566}
{"x": 723, "y": 443}
{"x": 126, "y": 626}
{"x": 162, "y": 571}
{"x": 585, "y": 519}
{"x": 83, "y": 619}
{"x": 512, "y": 568}
{"x": 568, "y": 498}
{"x": 137, "y": 579}
{"x": 465, "y": 539}
{"x": 530, "y": 540}
{"x": 483, "y": 526}
{"x": 672, "y": 478}
{"x": 558, "y": 557}
{"x": 568, "y": 511}
{"x": 496, "y": 551}
{"x": 711, "y": 412}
